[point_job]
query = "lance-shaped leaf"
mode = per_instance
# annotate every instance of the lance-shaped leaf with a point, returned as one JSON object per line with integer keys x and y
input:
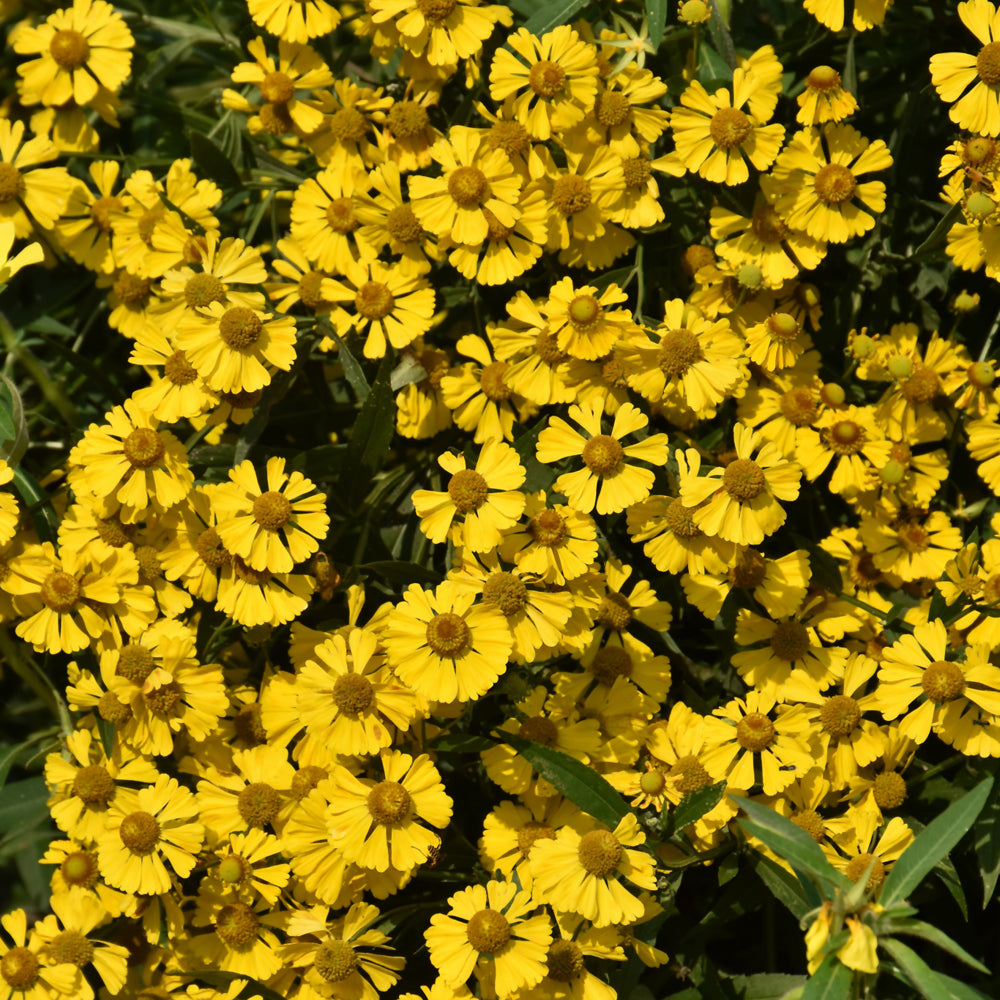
{"x": 831, "y": 981}
{"x": 916, "y": 971}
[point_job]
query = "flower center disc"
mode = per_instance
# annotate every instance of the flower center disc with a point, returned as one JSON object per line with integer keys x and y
{"x": 277, "y": 88}
{"x": 810, "y": 821}
{"x": 610, "y": 663}
{"x": 258, "y": 804}
{"x": 571, "y": 194}
{"x": 407, "y": 119}
{"x": 729, "y": 128}
{"x": 19, "y": 968}
{"x": 823, "y": 78}
{"x": 856, "y": 867}
{"x": 767, "y": 226}
{"x": 79, "y": 868}
{"x": 69, "y": 49}
{"x": 548, "y": 528}
{"x": 600, "y": 852}
{"x": 211, "y": 550}
{"x": 679, "y": 520}
{"x": 507, "y": 592}
{"x": 988, "y": 64}
{"x": 389, "y": 803}
{"x": 335, "y": 961}
{"x": 679, "y": 350}
{"x": 488, "y": 931}
{"x": 374, "y": 300}
{"x": 340, "y": 215}
{"x": 790, "y": 641}
{"x": 615, "y": 612}
{"x": 689, "y": 774}
{"x": 178, "y": 370}
{"x": 540, "y": 730}
{"x": 749, "y": 571}
{"x": 565, "y": 961}
{"x": 448, "y": 634}
{"x": 11, "y": 185}
{"x": 139, "y": 832}
{"x": 468, "y": 186}
{"x": 744, "y": 480}
{"x": 603, "y": 455}
{"x": 943, "y": 681}
{"x": 922, "y": 385}
{"x": 584, "y": 311}
{"x": 352, "y": 693}
{"x": 889, "y": 790}
{"x": 135, "y": 663}
{"x": 94, "y": 785}
{"x": 834, "y": 184}
{"x": 436, "y": 10}
{"x": 468, "y": 490}
{"x": 799, "y": 406}
{"x": 112, "y": 531}
{"x": 71, "y": 948}
{"x": 840, "y": 715}
{"x": 491, "y": 381}
{"x": 240, "y": 328}
{"x": 531, "y": 833}
{"x": 547, "y": 79}
{"x": 236, "y": 924}
{"x": 143, "y": 448}
{"x": 755, "y": 732}
{"x": 612, "y": 108}
{"x": 271, "y": 510}
{"x": 60, "y": 592}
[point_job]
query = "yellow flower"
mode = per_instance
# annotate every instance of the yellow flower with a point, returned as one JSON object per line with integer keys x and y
{"x": 604, "y": 458}
{"x": 581, "y": 320}
{"x": 445, "y": 647}
{"x": 259, "y": 596}
{"x": 241, "y": 940}
{"x": 158, "y": 829}
{"x": 967, "y": 82}
{"x": 715, "y": 138}
{"x": 832, "y": 13}
{"x": 824, "y": 99}
{"x": 814, "y": 184}
{"x": 743, "y": 498}
{"x": 557, "y": 544}
{"x": 487, "y": 497}
{"x": 9, "y": 266}
{"x": 490, "y": 930}
{"x": 850, "y": 435}
{"x": 323, "y": 220}
{"x": 23, "y": 971}
{"x": 80, "y": 50}
{"x": 859, "y": 951}
{"x": 553, "y": 77}
{"x": 912, "y": 544}
{"x": 29, "y": 195}
{"x": 293, "y": 21}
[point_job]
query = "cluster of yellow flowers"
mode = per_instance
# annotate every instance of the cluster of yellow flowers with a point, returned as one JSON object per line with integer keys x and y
{"x": 241, "y": 816}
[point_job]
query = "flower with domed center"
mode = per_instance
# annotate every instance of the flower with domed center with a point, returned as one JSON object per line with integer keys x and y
{"x": 177, "y": 391}
{"x": 270, "y": 529}
{"x": 24, "y": 971}
{"x": 261, "y": 597}
{"x": 567, "y": 975}
{"x": 87, "y": 784}
{"x": 493, "y": 931}
{"x": 743, "y": 497}
{"x": 242, "y": 937}
{"x": 347, "y": 700}
{"x": 970, "y": 82}
{"x": 715, "y": 138}
{"x": 384, "y": 824}
{"x": 474, "y": 179}
{"x": 478, "y": 504}
{"x": 386, "y": 305}
{"x": 250, "y": 794}
{"x": 825, "y": 99}
{"x": 859, "y": 847}
{"x": 233, "y": 349}
{"x": 131, "y": 461}
{"x": 607, "y": 482}
{"x": 347, "y": 957}
{"x": 346, "y": 142}
{"x": 946, "y": 696}
{"x": 79, "y": 50}
{"x": 913, "y": 544}
{"x": 815, "y": 182}
{"x": 853, "y": 437}
{"x": 323, "y": 222}
{"x": 553, "y": 77}
{"x": 194, "y": 553}
{"x": 752, "y": 741}
{"x": 687, "y": 358}
{"x": 556, "y": 544}
{"x": 27, "y": 195}
{"x": 445, "y": 647}
{"x": 582, "y": 321}
{"x": 440, "y": 31}
{"x": 244, "y": 865}
{"x": 156, "y": 829}
{"x": 585, "y": 873}
{"x": 65, "y": 935}
{"x": 293, "y": 21}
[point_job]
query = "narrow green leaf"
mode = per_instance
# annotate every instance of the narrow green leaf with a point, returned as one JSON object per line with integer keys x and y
{"x": 43, "y": 517}
{"x": 22, "y": 804}
{"x": 656, "y": 20}
{"x": 212, "y": 161}
{"x": 353, "y": 371}
{"x": 791, "y": 844}
{"x": 786, "y": 889}
{"x": 580, "y": 784}
{"x": 939, "y": 232}
{"x": 550, "y": 15}
{"x": 718, "y": 27}
{"x": 221, "y": 980}
{"x": 107, "y": 732}
{"x": 920, "y": 929}
{"x": 934, "y": 843}
{"x": 619, "y": 276}
{"x": 462, "y": 744}
{"x": 988, "y": 844}
{"x": 831, "y": 981}
{"x": 767, "y": 985}
{"x": 960, "y": 990}
{"x": 375, "y": 426}
{"x": 915, "y": 970}
{"x": 400, "y": 571}
{"x": 695, "y": 804}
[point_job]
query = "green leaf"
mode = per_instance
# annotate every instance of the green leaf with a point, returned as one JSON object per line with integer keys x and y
{"x": 22, "y": 806}
{"x": 988, "y": 844}
{"x": 107, "y": 733}
{"x": 656, "y": 20}
{"x": 375, "y": 426}
{"x": 582, "y": 785}
{"x": 461, "y": 743}
{"x": 353, "y": 371}
{"x": 786, "y": 888}
{"x": 915, "y": 970}
{"x": 221, "y": 980}
{"x": 43, "y": 517}
{"x": 934, "y": 843}
{"x": 939, "y": 233}
{"x": 550, "y": 15}
{"x": 400, "y": 571}
{"x": 695, "y": 804}
{"x": 767, "y": 985}
{"x": 213, "y": 162}
{"x": 920, "y": 929}
{"x": 831, "y": 981}
{"x": 792, "y": 844}
{"x": 960, "y": 990}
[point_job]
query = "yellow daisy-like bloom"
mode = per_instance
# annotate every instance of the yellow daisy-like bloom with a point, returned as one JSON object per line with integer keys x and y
{"x": 715, "y": 138}
{"x": 259, "y": 596}
{"x": 242, "y": 939}
{"x": 487, "y": 498}
{"x": 687, "y": 357}
{"x": 859, "y": 846}
{"x": 604, "y": 458}
{"x": 294, "y": 21}
{"x": 553, "y": 77}
{"x": 971, "y": 84}
{"x": 323, "y": 220}
{"x": 177, "y": 392}
{"x": 557, "y": 544}
{"x": 195, "y": 553}
{"x": 764, "y": 241}
{"x": 24, "y": 973}
{"x": 386, "y": 305}
{"x": 346, "y": 698}
{"x": 346, "y": 142}
{"x": 441, "y": 31}
{"x": 381, "y": 823}
{"x": 233, "y": 349}
{"x": 9, "y": 510}
{"x": 852, "y": 437}
{"x": 936, "y": 694}
{"x": 84, "y": 229}
{"x": 585, "y": 873}
{"x": 832, "y": 14}
{"x": 28, "y": 194}
{"x": 815, "y": 186}
{"x": 490, "y": 930}
{"x": 138, "y": 845}
{"x": 914, "y": 546}
{"x": 567, "y": 975}
{"x": 9, "y": 266}
{"x": 270, "y": 529}
{"x": 824, "y": 99}
{"x": 752, "y": 741}
{"x": 474, "y": 180}
{"x": 132, "y": 462}
{"x": 618, "y": 119}
{"x": 445, "y": 647}
{"x": 245, "y": 867}
{"x": 743, "y": 498}
{"x": 301, "y": 283}
{"x": 80, "y": 49}
{"x": 581, "y": 320}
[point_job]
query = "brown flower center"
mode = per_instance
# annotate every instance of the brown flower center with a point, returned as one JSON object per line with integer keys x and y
{"x": 531, "y": 833}
{"x": 923, "y": 384}
{"x": 610, "y": 663}
{"x": 511, "y": 137}
{"x": 70, "y": 948}
{"x": 547, "y": 79}
{"x": 612, "y": 108}
{"x": 600, "y": 852}
{"x": 790, "y": 641}
{"x": 203, "y": 289}
{"x": 232, "y": 869}
{"x": 389, "y": 803}
{"x": 856, "y": 867}
{"x": 603, "y": 455}
{"x": 436, "y": 10}
{"x": 679, "y": 350}
{"x": 810, "y": 821}
{"x": 729, "y": 128}
{"x": 240, "y": 328}
{"x": 799, "y": 406}
{"x": 143, "y": 448}
{"x": 548, "y": 528}
{"x": 988, "y": 64}
{"x": 374, "y": 300}
{"x": 507, "y": 592}
{"x": 69, "y": 49}
{"x": 211, "y": 550}
{"x": 275, "y": 119}
{"x": 614, "y": 612}
{"x": 178, "y": 370}
{"x": 565, "y": 961}
{"x": 488, "y": 931}
{"x": 135, "y": 663}
{"x": 749, "y": 571}
{"x": 335, "y": 961}
{"x": 840, "y": 715}
{"x": 60, "y": 592}
{"x": 468, "y": 186}
{"x": 689, "y": 774}
{"x": 271, "y": 510}
{"x": 571, "y": 194}
{"x": 834, "y": 184}
{"x": 11, "y": 183}
{"x": 448, "y": 635}
{"x": 680, "y": 521}
{"x": 102, "y": 210}
{"x": 889, "y": 790}
{"x": 110, "y": 709}
{"x": 767, "y": 225}
{"x": 258, "y": 804}
{"x": 163, "y": 700}
{"x": 744, "y": 480}
{"x": 943, "y": 681}
{"x": 130, "y": 288}
{"x": 19, "y": 968}
{"x": 340, "y": 215}
{"x": 94, "y": 785}
{"x": 755, "y": 732}
{"x": 277, "y": 88}
{"x": 407, "y": 119}
{"x": 540, "y": 730}
{"x": 352, "y": 693}
{"x": 311, "y": 290}
{"x": 637, "y": 171}
{"x": 913, "y": 538}
{"x": 348, "y": 125}
{"x": 236, "y": 924}
{"x": 139, "y": 832}
{"x": 403, "y": 226}
{"x": 468, "y": 490}
{"x": 491, "y": 381}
